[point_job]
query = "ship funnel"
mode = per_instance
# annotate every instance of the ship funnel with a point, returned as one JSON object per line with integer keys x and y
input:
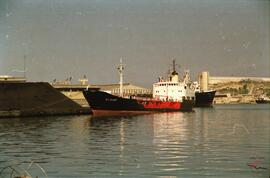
{"x": 174, "y": 75}
{"x": 204, "y": 80}
{"x": 175, "y": 78}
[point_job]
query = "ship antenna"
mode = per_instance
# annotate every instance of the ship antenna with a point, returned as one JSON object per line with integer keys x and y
{"x": 120, "y": 70}
{"x": 173, "y": 65}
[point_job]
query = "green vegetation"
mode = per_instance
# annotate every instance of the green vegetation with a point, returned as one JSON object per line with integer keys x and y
{"x": 243, "y": 90}
{"x": 232, "y": 91}
{"x": 267, "y": 92}
{"x": 235, "y": 91}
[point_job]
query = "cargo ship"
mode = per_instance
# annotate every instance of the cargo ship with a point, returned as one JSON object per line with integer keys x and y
{"x": 169, "y": 96}
{"x": 204, "y": 98}
{"x": 199, "y": 90}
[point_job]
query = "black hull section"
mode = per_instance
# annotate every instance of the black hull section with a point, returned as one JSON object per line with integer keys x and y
{"x": 187, "y": 106}
{"x": 102, "y": 101}
{"x": 204, "y": 99}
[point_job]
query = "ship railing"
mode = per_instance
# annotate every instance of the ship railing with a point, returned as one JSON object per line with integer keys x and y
{"x": 151, "y": 99}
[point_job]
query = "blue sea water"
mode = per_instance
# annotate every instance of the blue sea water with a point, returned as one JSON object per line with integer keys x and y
{"x": 223, "y": 141}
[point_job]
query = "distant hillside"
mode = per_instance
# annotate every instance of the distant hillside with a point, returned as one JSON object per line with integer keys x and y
{"x": 245, "y": 87}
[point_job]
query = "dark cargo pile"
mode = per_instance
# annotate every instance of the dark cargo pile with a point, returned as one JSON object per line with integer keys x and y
{"x": 35, "y": 99}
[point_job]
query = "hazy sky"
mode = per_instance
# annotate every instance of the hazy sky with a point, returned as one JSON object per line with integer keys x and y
{"x": 63, "y": 38}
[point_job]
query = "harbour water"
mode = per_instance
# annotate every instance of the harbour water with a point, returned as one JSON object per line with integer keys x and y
{"x": 223, "y": 141}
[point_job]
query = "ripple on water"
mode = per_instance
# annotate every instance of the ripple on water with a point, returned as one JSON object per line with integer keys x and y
{"x": 205, "y": 143}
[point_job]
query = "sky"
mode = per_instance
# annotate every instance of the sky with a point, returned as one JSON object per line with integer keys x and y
{"x": 70, "y": 38}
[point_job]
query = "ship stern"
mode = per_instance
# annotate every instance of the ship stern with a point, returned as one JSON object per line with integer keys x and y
{"x": 187, "y": 105}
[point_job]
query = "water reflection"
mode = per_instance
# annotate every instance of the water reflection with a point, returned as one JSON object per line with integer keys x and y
{"x": 170, "y": 137}
{"x": 198, "y": 144}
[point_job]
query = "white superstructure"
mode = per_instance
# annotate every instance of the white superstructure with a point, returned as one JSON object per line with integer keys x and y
{"x": 174, "y": 89}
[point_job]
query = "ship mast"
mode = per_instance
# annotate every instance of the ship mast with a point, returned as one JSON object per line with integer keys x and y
{"x": 120, "y": 70}
{"x": 173, "y": 65}
{"x": 174, "y": 68}
{"x": 24, "y": 66}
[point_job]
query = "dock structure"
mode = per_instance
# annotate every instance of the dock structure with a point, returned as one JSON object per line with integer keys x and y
{"x": 72, "y": 87}
{"x": 10, "y": 79}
